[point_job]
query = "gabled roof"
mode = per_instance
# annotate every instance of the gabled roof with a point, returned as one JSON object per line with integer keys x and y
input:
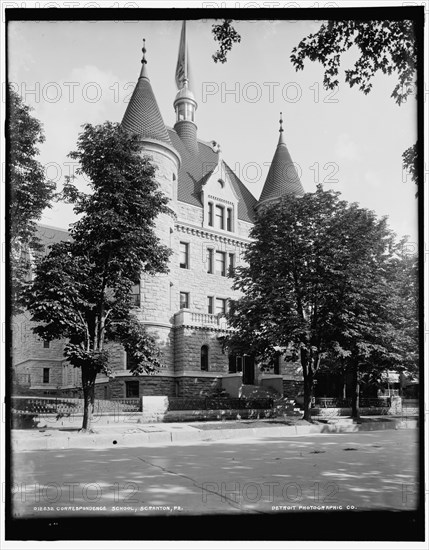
{"x": 194, "y": 171}
{"x": 142, "y": 115}
{"x": 282, "y": 178}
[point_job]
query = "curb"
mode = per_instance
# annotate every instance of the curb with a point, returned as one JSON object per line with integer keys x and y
{"x": 169, "y": 436}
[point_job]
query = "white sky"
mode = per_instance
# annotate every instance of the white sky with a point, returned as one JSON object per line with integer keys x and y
{"x": 77, "y": 72}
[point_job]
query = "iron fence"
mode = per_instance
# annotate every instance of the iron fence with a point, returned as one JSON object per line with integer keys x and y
{"x": 213, "y": 403}
{"x": 343, "y": 403}
{"x": 70, "y": 405}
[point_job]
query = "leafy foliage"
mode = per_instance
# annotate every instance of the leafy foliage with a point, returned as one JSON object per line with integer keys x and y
{"x": 386, "y": 46}
{"x": 30, "y": 192}
{"x": 227, "y": 36}
{"x": 410, "y": 162}
{"x": 82, "y": 288}
{"x": 318, "y": 284}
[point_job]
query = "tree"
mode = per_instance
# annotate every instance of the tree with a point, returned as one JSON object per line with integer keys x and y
{"x": 308, "y": 286}
{"x": 386, "y": 46}
{"x": 226, "y": 35}
{"x": 82, "y": 288}
{"x": 30, "y": 191}
{"x": 362, "y": 330}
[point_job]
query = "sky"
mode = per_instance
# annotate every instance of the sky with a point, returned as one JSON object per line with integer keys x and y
{"x": 77, "y": 72}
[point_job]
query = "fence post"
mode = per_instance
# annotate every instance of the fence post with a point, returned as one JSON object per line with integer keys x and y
{"x": 396, "y": 405}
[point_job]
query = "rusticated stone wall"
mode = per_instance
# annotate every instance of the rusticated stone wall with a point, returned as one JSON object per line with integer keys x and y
{"x": 188, "y": 343}
{"x": 197, "y": 386}
{"x": 148, "y": 385}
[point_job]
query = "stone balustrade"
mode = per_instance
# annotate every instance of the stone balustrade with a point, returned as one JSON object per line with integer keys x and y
{"x": 186, "y": 317}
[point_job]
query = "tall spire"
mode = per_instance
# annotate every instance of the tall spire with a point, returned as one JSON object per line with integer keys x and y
{"x": 142, "y": 115}
{"x": 183, "y": 70}
{"x": 185, "y": 104}
{"x": 283, "y": 178}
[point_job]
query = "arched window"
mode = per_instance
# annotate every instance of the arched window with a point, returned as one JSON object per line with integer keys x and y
{"x": 204, "y": 358}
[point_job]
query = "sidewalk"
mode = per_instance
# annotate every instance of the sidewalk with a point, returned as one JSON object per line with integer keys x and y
{"x": 135, "y": 434}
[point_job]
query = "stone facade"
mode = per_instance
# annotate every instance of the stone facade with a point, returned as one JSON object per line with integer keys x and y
{"x": 148, "y": 385}
{"x": 210, "y": 215}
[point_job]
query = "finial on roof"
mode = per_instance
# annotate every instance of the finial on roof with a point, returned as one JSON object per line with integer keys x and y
{"x": 143, "y": 72}
{"x": 281, "y": 138}
{"x": 144, "y": 51}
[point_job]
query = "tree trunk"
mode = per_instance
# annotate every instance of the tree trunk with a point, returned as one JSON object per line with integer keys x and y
{"x": 307, "y": 372}
{"x": 355, "y": 394}
{"x": 88, "y": 385}
{"x": 308, "y": 396}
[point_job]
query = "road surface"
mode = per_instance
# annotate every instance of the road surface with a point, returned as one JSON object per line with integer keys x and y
{"x": 352, "y": 471}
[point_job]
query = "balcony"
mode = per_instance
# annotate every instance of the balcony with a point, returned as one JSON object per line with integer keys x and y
{"x": 186, "y": 317}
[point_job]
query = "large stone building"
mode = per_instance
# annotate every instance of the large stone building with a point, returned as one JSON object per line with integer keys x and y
{"x": 210, "y": 216}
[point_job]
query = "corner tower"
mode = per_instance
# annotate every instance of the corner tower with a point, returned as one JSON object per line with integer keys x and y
{"x": 143, "y": 117}
{"x": 282, "y": 178}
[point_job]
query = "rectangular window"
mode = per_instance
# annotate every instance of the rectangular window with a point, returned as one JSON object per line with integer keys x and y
{"x": 220, "y": 211}
{"x": 210, "y": 304}
{"x": 220, "y": 263}
{"x": 229, "y": 219}
{"x": 135, "y": 295}
{"x": 46, "y": 344}
{"x": 235, "y": 364}
{"x": 209, "y": 260}
{"x": 184, "y": 300}
{"x": 184, "y": 255}
{"x": 276, "y": 364}
{"x": 211, "y": 214}
{"x": 231, "y": 264}
{"x": 131, "y": 363}
{"x": 46, "y": 376}
{"x": 221, "y": 306}
{"x": 132, "y": 389}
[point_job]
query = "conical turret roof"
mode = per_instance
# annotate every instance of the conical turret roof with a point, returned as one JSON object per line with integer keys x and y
{"x": 283, "y": 178}
{"x": 142, "y": 115}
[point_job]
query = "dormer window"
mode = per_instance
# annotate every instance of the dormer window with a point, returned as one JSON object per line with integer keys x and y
{"x": 229, "y": 219}
{"x": 210, "y": 220}
{"x": 220, "y": 216}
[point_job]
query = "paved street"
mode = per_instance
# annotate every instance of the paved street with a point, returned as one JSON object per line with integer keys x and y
{"x": 361, "y": 471}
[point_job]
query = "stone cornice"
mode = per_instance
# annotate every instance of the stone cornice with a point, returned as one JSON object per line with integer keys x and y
{"x": 211, "y": 235}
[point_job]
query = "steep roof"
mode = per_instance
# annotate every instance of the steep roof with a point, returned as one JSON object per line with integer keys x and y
{"x": 142, "y": 115}
{"x": 50, "y": 235}
{"x": 194, "y": 171}
{"x": 282, "y": 178}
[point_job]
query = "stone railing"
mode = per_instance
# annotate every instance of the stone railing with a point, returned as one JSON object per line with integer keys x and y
{"x": 196, "y": 319}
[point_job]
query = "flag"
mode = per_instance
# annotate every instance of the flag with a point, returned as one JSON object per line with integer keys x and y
{"x": 182, "y": 67}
